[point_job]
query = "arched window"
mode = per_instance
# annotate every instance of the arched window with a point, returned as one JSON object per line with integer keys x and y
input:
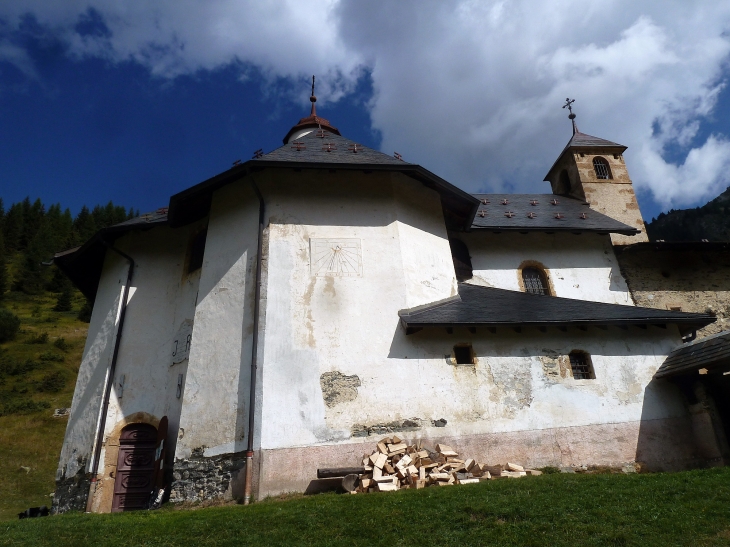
{"x": 600, "y": 166}
{"x": 535, "y": 281}
{"x": 461, "y": 258}
{"x": 563, "y": 187}
{"x": 580, "y": 364}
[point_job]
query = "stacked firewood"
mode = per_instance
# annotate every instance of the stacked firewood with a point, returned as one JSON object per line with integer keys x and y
{"x": 395, "y": 464}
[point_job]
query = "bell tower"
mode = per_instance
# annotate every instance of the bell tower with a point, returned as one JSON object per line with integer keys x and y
{"x": 593, "y": 169}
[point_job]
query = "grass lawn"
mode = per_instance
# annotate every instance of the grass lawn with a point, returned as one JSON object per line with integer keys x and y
{"x": 37, "y": 375}
{"x": 664, "y": 509}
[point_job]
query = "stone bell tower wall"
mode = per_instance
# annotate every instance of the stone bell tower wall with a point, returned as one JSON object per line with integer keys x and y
{"x": 614, "y": 197}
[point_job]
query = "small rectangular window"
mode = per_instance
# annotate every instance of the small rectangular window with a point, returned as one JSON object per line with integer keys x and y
{"x": 464, "y": 355}
{"x": 196, "y": 251}
{"x": 580, "y": 363}
{"x": 534, "y": 281}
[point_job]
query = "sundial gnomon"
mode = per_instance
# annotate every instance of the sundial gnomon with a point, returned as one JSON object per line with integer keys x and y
{"x": 336, "y": 257}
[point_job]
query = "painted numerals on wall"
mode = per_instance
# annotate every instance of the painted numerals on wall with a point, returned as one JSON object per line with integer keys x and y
{"x": 335, "y": 257}
{"x": 181, "y": 342}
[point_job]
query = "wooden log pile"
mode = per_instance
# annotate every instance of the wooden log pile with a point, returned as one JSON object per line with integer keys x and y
{"x": 395, "y": 464}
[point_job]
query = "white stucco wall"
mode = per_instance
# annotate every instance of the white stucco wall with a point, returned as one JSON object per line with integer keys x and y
{"x": 581, "y": 266}
{"x": 160, "y": 300}
{"x": 215, "y": 416}
{"x": 319, "y": 324}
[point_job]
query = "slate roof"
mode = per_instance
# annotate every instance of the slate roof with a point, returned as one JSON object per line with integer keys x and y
{"x": 490, "y": 307}
{"x": 544, "y": 213}
{"x": 330, "y": 148}
{"x": 83, "y": 264}
{"x": 712, "y": 353}
{"x": 330, "y": 152}
{"x": 581, "y": 140}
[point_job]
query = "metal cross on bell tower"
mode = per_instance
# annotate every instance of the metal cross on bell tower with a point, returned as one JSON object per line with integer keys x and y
{"x": 568, "y": 104}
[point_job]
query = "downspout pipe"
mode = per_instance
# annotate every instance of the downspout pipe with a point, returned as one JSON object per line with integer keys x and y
{"x": 112, "y": 369}
{"x": 254, "y": 351}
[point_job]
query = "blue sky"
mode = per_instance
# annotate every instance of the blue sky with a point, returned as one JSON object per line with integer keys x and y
{"x": 100, "y": 102}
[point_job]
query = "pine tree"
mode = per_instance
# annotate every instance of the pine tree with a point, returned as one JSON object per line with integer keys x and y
{"x": 32, "y": 277}
{"x": 84, "y": 227}
{"x": 13, "y": 227}
{"x": 3, "y": 268}
{"x": 65, "y": 298}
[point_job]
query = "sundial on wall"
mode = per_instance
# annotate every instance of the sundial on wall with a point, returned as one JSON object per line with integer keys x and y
{"x": 336, "y": 257}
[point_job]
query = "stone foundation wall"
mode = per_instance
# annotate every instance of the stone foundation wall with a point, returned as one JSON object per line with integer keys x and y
{"x": 72, "y": 492}
{"x": 199, "y": 478}
{"x": 657, "y": 445}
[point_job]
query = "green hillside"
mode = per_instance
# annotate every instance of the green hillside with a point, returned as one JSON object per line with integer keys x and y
{"x": 42, "y": 335}
{"x": 710, "y": 222}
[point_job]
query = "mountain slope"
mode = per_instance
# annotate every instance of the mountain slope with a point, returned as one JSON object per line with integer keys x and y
{"x": 710, "y": 222}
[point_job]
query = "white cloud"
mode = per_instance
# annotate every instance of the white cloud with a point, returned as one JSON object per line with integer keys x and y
{"x": 470, "y": 89}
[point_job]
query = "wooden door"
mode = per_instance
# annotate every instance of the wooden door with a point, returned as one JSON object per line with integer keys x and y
{"x": 135, "y": 468}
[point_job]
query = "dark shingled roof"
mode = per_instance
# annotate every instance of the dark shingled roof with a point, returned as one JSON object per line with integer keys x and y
{"x": 328, "y": 149}
{"x": 83, "y": 264}
{"x": 582, "y": 141}
{"x": 544, "y": 213}
{"x": 330, "y": 152}
{"x": 712, "y": 353}
{"x": 490, "y": 307}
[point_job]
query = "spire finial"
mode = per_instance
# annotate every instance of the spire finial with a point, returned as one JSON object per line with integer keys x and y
{"x": 313, "y": 99}
{"x": 571, "y": 116}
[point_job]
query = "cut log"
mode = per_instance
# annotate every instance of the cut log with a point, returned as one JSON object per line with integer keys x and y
{"x": 333, "y": 472}
{"x": 468, "y": 481}
{"x": 382, "y": 447}
{"x": 387, "y": 487}
{"x": 513, "y": 474}
{"x": 350, "y": 482}
{"x": 469, "y": 464}
{"x": 380, "y": 461}
{"x": 534, "y": 472}
{"x": 495, "y": 470}
{"x": 514, "y": 467}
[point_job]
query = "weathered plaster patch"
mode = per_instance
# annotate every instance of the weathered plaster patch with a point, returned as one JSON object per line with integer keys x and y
{"x": 72, "y": 491}
{"x": 338, "y": 388}
{"x": 514, "y": 383}
{"x": 411, "y": 424}
{"x": 633, "y": 388}
{"x": 556, "y": 367}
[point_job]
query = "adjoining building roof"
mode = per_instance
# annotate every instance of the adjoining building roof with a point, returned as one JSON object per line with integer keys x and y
{"x": 711, "y": 353}
{"x": 543, "y": 213}
{"x": 489, "y": 307}
{"x": 83, "y": 264}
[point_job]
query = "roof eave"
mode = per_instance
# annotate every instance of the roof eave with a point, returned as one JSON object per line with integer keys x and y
{"x": 629, "y": 232}
{"x": 693, "y": 323}
{"x": 207, "y": 187}
{"x": 86, "y": 276}
{"x": 568, "y": 147}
